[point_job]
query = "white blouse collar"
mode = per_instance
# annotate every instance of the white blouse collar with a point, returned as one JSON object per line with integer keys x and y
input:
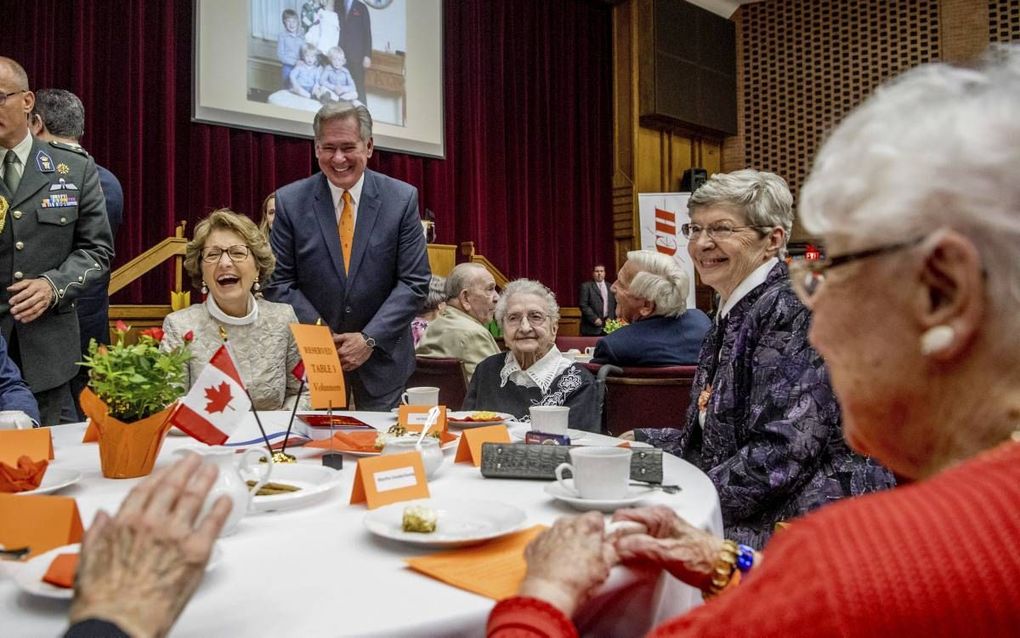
{"x": 222, "y": 317}
{"x": 752, "y": 281}
{"x": 541, "y": 374}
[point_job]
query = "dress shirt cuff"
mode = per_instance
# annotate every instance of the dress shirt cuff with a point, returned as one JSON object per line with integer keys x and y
{"x": 95, "y": 628}
{"x": 521, "y": 617}
{"x": 53, "y": 289}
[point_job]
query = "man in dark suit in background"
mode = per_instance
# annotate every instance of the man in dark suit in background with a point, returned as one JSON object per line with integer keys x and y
{"x": 597, "y": 303}
{"x": 59, "y": 116}
{"x": 356, "y": 41}
{"x": 350, "y": 250}
{"x": 54, "y": 241}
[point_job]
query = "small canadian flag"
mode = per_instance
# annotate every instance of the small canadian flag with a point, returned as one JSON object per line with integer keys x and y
{"x": 216, "y": 403}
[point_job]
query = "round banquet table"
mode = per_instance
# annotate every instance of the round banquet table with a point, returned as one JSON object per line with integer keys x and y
{"x": 317, "y": 571}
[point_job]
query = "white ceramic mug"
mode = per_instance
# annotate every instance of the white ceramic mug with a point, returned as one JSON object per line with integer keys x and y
{"x": 233, "y": 468}
{"x": 550, "y": 419}
{"x": 600, "y": 473}
{"x": 421, "y": 396}
{"x": 589, "y": 351}
{"x": 15, "y": 420}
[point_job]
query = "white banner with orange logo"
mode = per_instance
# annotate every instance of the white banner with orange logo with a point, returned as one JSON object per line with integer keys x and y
{"x": 661, "y": 215}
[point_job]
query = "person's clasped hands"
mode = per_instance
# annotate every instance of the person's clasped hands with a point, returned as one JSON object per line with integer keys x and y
{"x": 139, "y": 568}
{"x": 569, "y": 561}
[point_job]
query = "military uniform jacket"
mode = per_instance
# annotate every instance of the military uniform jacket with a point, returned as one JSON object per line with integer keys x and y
{"x": 55, "y": 227}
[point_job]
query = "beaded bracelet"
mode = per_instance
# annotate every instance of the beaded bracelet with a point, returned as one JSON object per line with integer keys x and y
{"x": 732, "y": 558}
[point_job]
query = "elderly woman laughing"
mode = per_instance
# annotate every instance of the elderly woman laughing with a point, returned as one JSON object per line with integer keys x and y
{"x": 534, "y": 372}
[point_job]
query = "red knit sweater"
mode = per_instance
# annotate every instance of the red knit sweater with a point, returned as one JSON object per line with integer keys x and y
{"x": 937, "y": 558}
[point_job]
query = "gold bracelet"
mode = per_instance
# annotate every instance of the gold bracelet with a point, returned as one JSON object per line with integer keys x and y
{"x": 722, "y": 572}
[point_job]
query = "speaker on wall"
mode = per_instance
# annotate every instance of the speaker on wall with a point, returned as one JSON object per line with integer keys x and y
{"x": 692, "y": 179}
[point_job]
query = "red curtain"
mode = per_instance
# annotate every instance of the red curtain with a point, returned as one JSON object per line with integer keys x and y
{"x": 527, "y": 99}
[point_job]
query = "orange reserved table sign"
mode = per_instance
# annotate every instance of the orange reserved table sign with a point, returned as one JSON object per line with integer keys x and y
{"x": 470, "y": 448}
{"x": 322, "y": 365}
{"x": 36, "y": 444}
{"x": 390, "y": 478}
{"x": 39, "y": 522}
{"x": 413, "y": 417}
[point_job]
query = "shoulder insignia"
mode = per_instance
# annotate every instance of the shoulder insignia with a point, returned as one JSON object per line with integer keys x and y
{"x": 64, "y": 146}
{"x": 43, "y": 162}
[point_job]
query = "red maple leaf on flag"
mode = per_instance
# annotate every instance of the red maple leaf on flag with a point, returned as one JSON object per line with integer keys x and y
{"x": 219, "y": 398}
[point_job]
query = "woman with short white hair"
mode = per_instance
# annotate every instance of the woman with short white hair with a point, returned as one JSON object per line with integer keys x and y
{"x": 534, "y": 372}
{"x": 651, "y": 296}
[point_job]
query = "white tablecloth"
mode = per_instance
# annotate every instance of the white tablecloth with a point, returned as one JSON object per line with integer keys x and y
{"x": 317, "y": 571}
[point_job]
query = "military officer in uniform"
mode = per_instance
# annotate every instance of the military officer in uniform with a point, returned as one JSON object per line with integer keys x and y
{"x": 54, "y": 239}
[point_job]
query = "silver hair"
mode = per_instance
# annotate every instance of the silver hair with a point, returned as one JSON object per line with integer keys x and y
{"x": 660, "y": 280}
{"x": 61, "y": 112}
{"x": 764, "y": 198}
{"x": 461, "y": 278}
{"x": 436, "y": 294}
{"x": 527, "y": 287}
{"x": 937, "y": 147}
{"x": 342, "y": 109}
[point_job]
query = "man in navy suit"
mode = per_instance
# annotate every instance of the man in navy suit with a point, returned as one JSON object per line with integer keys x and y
{"x": 367, "y": 292}
{"x": 651, "y": 295}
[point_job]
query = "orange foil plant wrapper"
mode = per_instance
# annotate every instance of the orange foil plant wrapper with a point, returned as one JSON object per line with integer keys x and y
{"x": 26, "y": 476}
{"x": 126, "y": 450}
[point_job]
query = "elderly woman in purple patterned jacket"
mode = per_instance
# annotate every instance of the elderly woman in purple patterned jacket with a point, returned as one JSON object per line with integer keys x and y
{"x": 765, "y": 425}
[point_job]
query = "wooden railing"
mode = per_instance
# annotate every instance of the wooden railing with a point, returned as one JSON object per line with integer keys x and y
{"x": 147, "y": 315}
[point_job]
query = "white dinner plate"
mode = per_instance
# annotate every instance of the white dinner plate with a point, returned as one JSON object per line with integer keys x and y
{"x": 315, "y": 482}
{"x": 518, "y": 430}
{"x": 456, "y": 419}
{"x": 634, "y": 494}
{"x": 449, "y": 445}
{"x": 460, "y": 522}
{"x": 28, "y": 576}
{"x": 55, "y": 479}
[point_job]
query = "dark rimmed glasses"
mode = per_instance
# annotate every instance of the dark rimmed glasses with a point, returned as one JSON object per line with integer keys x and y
{"x": 237, "y": 254}
{"x": 807, "y": 277}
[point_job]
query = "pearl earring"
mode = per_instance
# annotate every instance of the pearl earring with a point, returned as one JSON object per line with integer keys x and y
{"x": 257, "y": 286}
{"x": 205, "y": 288}
{"x": 936, "y": 339}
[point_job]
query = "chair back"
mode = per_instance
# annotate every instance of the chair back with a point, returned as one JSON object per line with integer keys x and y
{"x": 643, "y": 397}
{"x": 442, "y": 373}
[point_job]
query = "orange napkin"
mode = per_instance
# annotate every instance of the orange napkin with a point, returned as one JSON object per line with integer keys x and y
{"x": 348, "y": 442}
{"x": 26, "y": 476}
{"x": 624, "y": 444}
{"x": 494, "y": 569}
{"x": 62, "y": 570}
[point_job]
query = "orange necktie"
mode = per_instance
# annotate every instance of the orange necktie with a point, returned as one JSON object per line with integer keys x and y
{"x": 346, "y": 230}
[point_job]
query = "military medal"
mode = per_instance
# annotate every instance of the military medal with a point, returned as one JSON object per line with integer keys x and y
{"x": 63, "y": 168}
{"x": 3, "y": 212}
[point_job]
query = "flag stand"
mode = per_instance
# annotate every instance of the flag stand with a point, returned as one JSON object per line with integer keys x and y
{"x": 254, "y": 410}
{"x": 332, "y": 459}
{"x": 293, "y": 413}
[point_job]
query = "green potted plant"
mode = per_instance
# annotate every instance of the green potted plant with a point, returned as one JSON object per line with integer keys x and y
{"x": 130, "y": 396}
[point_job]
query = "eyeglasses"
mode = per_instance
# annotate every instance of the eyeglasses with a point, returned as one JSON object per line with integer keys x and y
{"x": 4, "y": 96}
{"x": 535, "y": 318}
{"x": 807, "y": 277}
{"x": 236, "y": 253}
{"x": 715, "y": 231}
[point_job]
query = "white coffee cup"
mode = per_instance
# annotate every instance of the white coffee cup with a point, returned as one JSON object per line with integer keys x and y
{"x": 15, "y": 420}
{"x": 589, "y": 351}
{"x": 551, "y": 419}
{"x": 421, "y": 396}
{"x": 600, "y": 473}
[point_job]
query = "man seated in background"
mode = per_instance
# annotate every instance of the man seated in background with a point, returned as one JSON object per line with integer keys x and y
{"x": 460, "y": 332}
{"x": 597, "y": 303}
{"x": 651, "y": 296}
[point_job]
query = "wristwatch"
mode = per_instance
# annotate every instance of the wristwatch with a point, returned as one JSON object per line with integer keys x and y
{"x": 369, "y": 341}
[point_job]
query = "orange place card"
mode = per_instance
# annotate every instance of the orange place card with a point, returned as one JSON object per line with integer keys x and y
{"x": 494, "y": 569}
{"x": 470, "y": 448}
{"x": 413, "y": 417}
{"x": 36, "y": 444}
{"x": 62, "y": 570}
{"x": 39, "y": 522}
{"x": 386, "y": 479}
{"x": 322, "y": 365}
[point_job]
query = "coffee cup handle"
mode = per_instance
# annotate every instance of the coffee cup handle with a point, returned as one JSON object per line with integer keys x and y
{"x": 265, "y": 471}
{"x": 403, "y": 398}
{"x": 559, "y": 478}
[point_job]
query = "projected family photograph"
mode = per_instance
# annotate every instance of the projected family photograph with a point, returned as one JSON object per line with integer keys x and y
{"x": 270, "y": 65}
{"x": 303, "y": 54}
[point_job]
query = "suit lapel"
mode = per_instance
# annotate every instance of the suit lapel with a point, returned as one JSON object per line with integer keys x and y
{"x": 325, "y": 213}
{"x": 31, "y": 180}
{"x": 368, "y": 215}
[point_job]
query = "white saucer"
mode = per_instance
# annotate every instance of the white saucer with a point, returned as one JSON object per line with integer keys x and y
{"x": 315, "y": 481}
{"x": 460, "y": 522}
{"x": 634, "y": 494}
{"x": 518, "y": 430}
{"x": 55, "y": 479}
{"x": 28, "y": 576}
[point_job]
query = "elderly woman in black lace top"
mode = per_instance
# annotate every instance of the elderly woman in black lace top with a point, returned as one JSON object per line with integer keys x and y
{"x": 533, "y": 372}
